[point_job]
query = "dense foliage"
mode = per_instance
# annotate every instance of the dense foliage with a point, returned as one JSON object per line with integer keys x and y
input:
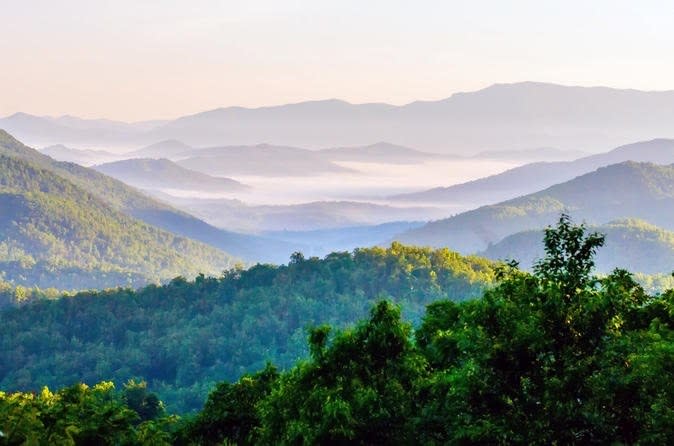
{"x": 85, "y": 415}
{"x": 553, "y": 357}
{"x": 64, "y": 227}
{"x": 55, "y": 234}
{"x": 184, "y": 336}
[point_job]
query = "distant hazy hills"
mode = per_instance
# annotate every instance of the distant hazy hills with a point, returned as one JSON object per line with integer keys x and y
{"x": 82, "y": 157}
{"x": 147, "y": 173}
{"x": 45, "y": 130}
{"x": 262, "y": 159}
{"x": 532, "y": 155}
{"x": 635, "y": 190}
{"x": 536, "y": 176}
{"x": 500, "y": 117}
{"x": 169, "y": 148}
{"x": 630, "y": 244}
{"x": 381, "y": 152}
{"x": 314, "y": 215}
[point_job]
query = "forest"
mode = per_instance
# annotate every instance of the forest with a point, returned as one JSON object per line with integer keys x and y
{"x": 552, "y": 356}
{"x": 185, "y": 336}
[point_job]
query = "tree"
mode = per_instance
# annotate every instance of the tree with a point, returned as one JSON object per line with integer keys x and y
{"x": 569, "y": 255}
{"x": 358, "y": 388}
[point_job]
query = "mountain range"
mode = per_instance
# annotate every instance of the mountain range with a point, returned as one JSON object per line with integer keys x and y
{"x": 145, "y": 173}
{"x": 533, "y": 177}
{"x": 82, "y": 157}
{"x": 629, "y": 189}
{"x": 260, "y": 160}
{"x": 499, "y": 117}
{"x": 316, "y": 215}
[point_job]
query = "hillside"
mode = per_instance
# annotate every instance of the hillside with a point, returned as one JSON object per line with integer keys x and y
{"x": 626, "y": 190}
{"x": 145, "y": 173}
{"x": 55, "y": 234}
{"x": 261, "y": 159}
{"x": 630, "y": 244}
{"x": 133, "y": 203}
{"x": 536, "y": 176}
{"x": 185, "y": 336}
{"x": 502, "y": 116}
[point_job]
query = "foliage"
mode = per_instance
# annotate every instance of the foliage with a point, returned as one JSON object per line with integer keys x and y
{"x": 80, "y": 415}
{"x": 554, "y": 357}
{"x": 55, "y": 234}
{"x": 557, "y": 357}
{"x": 184, "y": 337}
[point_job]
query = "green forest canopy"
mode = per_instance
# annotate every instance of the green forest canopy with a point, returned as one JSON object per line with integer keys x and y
{"x": 53, "y": 233}
{"x": 184, "y": 337}
{"x": 556, "y": 356}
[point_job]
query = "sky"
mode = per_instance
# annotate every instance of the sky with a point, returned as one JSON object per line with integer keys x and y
{"x": 137, "y": 60}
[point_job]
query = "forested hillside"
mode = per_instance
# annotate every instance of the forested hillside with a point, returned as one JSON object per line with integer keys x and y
{"x": 184, "y": 336}
{"x": 626, "y": 190}
{"x": 54, "y": 234}
{"x": 135, "y": 204}
{"x": 633, "y": 244}
{"x": 556, "y": 356}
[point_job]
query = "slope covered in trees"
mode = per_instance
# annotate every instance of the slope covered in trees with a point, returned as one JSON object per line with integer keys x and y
{"x": 633, "y": 244}
{"x": 556, "y": 356}
{"x": 133, "y": 203}
{"x": 553, "y": 357}
{"x": 184, "y": 336}
{"x": 626, "y": 190}
{"x": 55, "y": 234}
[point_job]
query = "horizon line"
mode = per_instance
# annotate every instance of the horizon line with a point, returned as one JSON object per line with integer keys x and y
{"x": 325, "y": 100}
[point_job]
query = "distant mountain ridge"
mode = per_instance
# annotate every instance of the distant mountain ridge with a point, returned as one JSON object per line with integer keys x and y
{"x": 532, "y": 177}
{"x": 532, "y": 155}
{"x": 379, "y": 153}
{"x": 314, "y": 215}
{"x": 625, "y": 190}
{"x": 163, "y": 149}
{"x": 261, "y": 160}
{"x": 147, "y": 173}
{"x": 502, "y": 116}
{"x": 82, "y": 157}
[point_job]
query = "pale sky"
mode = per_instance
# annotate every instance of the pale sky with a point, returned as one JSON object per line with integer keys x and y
{"x": 141, "y": 59}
